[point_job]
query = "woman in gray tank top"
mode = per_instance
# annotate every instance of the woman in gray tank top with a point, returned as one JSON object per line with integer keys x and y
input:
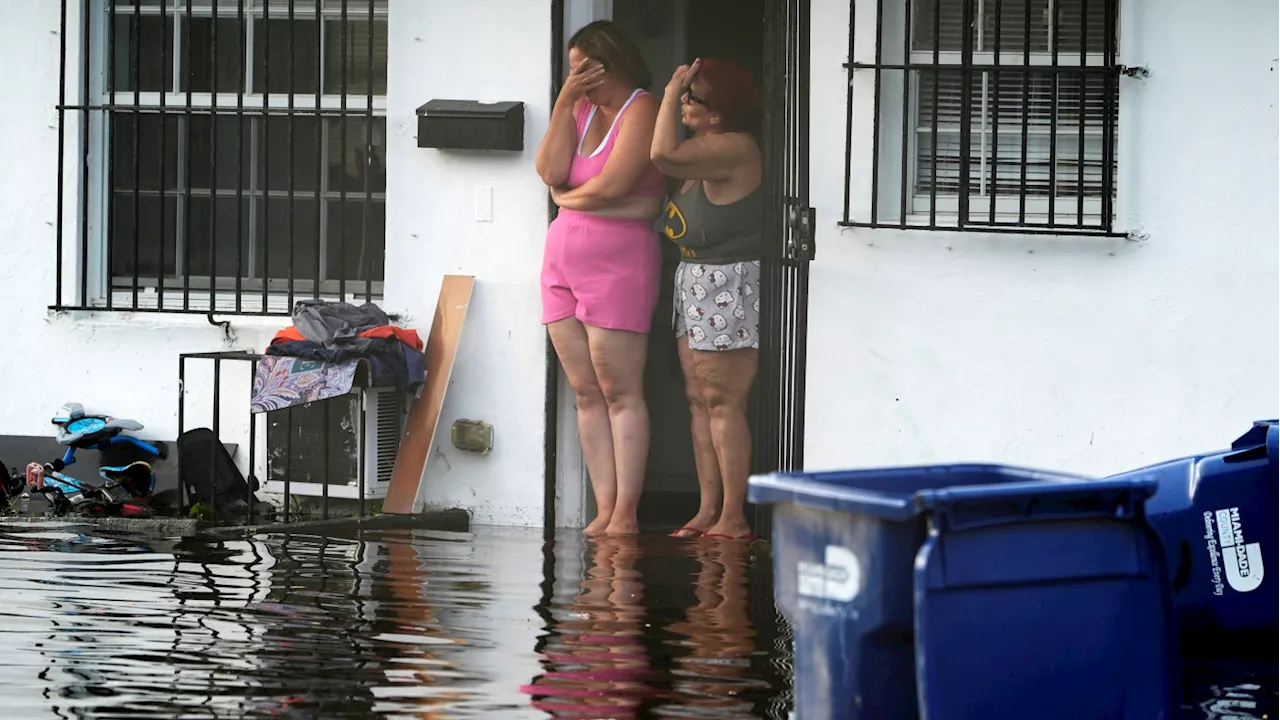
{"x": 714, "y": 215}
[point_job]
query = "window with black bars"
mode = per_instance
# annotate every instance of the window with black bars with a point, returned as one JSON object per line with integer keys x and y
{"x": 986, "y": 115}
{"x": 234, "y": 153}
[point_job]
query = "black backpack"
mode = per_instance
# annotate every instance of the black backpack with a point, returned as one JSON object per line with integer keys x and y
{"x": 209, "y": 476}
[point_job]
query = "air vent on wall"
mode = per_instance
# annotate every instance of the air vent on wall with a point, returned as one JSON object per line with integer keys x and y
{"x": 388, "y": 419}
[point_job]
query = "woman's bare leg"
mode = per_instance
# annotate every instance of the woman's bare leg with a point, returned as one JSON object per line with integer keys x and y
{"x": 570, "y": 340}
{"x": 726, "y": 379}
{"x": 704, "y": 451}
{"x": 619, "y": 359}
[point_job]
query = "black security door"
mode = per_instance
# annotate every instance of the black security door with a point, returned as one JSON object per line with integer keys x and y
{"x": 789, "y": 223}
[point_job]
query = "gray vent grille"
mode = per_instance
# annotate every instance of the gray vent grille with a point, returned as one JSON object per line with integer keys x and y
{"x": 390, "y": 414}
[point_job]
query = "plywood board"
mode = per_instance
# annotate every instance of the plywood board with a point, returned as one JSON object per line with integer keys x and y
{"x": 424, "y": 416}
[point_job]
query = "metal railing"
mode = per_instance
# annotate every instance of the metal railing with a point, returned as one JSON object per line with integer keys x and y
{"x": 252, "y": 359}
{"x": 986, "y": 115}
{"x": 231, "y": 154}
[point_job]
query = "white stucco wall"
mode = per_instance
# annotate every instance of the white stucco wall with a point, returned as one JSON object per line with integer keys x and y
{"x": 452, "y": 50}
{"x": 127, "y": 365}
{"x": 1081, "y": 355}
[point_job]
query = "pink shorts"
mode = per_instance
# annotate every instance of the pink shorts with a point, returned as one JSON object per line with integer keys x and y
{"x": 600, "y": 270}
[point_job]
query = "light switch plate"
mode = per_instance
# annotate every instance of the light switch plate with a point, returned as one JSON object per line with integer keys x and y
{"x": 484, "y": 203}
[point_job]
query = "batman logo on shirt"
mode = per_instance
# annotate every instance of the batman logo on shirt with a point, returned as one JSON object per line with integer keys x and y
{"x": 674, "y": 225}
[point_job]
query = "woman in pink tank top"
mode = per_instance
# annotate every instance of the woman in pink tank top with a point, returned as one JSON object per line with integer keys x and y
{"x": 602, "y": 258}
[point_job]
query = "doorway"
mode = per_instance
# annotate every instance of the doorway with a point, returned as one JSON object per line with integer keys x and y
{"x": 670, "y": 33}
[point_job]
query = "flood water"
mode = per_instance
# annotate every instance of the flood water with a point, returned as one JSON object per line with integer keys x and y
{"x": 409, "y": 623}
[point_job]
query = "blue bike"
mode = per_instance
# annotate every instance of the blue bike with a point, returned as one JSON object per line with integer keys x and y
{"x": 126, "y": 488}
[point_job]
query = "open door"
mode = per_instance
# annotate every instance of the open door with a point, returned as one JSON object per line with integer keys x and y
{"x": 789, "y": 245}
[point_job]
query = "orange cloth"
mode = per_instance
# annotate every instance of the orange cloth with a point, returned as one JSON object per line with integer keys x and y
{"x": 408, "y": 336}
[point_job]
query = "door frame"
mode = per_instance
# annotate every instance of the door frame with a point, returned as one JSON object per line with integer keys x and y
{"x": 567, "y": 500}
{"x": 789, "y": 246}
{"x": 567, "y": 497}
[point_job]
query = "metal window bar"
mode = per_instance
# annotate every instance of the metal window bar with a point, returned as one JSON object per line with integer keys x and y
{"x": 933, "y": 145}
{"x": 184, "y": 200}
{"x": 110, "y": 178}
{"x": 1055, "y": 11}
{"x": 265, "y": 133}
{"x": 293, "y": 90}
{"x": 213, "y": 162}
{"x": 1080, "y": 139}
{"x": 342, "y": 140}
{"x": 136, "y": 73}
{"x": 184, "y": 75}
{"x": 85, "y": 91}
{"x": 62, "y": 100}
{"x": 966, "y": 114}
{"x": 242, "y": 86}
{"x": 1026, "y": 112}
{"x": 969, "y": 160}
{"x": 995, "y": 115}
{"x": 169, "y": 76}
{"x": 320, "y": 173}
{"x": 1111, "y": 88}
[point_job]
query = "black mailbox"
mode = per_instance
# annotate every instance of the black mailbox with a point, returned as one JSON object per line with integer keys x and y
{"x": 471, "y": 125}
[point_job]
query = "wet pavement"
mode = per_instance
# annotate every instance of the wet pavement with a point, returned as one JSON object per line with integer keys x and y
{"x": 411, "y": 623}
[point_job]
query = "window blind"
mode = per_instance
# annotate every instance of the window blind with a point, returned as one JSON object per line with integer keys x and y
{"x": 1061, "y": 114}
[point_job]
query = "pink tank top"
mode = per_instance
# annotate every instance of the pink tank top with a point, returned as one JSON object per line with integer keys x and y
{"x": 651, "y": 182}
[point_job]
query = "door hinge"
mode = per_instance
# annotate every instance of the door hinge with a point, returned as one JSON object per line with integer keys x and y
{"x": 801, "y": 245}
{"x": 1136, "y": 71}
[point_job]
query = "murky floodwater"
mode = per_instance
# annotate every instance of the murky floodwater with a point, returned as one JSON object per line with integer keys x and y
{"x": 398, "y": 624}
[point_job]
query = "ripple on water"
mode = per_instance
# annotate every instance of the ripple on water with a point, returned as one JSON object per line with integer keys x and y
{"x": 403, "y": 623}
{"x": 372, "y": 624}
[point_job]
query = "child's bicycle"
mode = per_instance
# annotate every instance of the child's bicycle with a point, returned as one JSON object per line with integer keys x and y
{"x": 125, "y": 489}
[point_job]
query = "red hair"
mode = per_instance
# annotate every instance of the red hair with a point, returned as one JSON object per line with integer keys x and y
{"x": 731, "y": 92}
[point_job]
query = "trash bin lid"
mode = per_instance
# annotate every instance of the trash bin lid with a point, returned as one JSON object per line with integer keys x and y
{"x": 891, "y": 493}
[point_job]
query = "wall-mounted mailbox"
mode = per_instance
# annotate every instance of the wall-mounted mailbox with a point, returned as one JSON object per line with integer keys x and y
{"x": 471, "y": 125}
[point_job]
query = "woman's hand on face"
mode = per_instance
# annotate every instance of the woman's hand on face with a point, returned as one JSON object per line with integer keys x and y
{"x": 681, "y": 78}
{"x": 582, "y": 79}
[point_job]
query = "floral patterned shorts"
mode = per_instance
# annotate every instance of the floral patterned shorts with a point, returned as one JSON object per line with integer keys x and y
{"x": 718, "y": 306}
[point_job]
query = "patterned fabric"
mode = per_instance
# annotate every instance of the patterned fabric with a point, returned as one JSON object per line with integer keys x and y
{"x": 283, "y": 381}
{"x": 391, "y": 363}
{"x": 718, "y": 306}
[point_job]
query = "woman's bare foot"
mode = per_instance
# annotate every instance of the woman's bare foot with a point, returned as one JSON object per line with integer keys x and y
{"x": 697, "y": 525}
{"x": 598, "y": 526}
{"x": 619, "y": 526}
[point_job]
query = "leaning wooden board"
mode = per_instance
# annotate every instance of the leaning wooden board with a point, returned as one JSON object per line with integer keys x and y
{"x": 424, "y": 416}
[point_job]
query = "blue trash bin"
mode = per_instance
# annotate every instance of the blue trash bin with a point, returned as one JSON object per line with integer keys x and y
{"x": 844, "y": 548}
{"x": 1217, "y": 515}
{"x": 1046, "y": 602}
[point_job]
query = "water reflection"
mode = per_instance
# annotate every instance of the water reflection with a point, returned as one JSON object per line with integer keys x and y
{"x": 715, "y": 678}
{"x": 1230, "y": 690}
{"x": 663, "y": 627}
{"x": 411, "y": 624}
{"x": 380, "y": 624}
{"x": 595, "y": 660}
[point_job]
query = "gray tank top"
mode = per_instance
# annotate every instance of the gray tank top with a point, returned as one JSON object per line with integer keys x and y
{"x": 714, "y": 234}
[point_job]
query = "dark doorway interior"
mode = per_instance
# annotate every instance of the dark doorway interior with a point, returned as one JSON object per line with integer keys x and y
{"x": 671, "y": 33}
